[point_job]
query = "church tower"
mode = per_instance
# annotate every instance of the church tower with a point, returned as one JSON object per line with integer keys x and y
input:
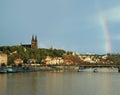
{"x": 34, "y": 42}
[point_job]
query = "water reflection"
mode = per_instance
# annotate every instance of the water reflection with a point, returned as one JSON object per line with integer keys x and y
{"x": 72, "y": 83}
{"x": 22, "y": 84}
{"x": 3, "y": 84}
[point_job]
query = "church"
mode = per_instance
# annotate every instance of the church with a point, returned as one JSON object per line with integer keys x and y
{"x": 34, "y": 43}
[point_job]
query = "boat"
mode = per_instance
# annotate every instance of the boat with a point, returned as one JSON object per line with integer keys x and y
{"x": 3, "y": 70}
{"x": 105, "y": 69}
{"x": 11, "y": 70}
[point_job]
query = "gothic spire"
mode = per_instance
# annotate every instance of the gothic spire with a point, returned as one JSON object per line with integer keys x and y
{"x": 32, "y": 37}
{"x": 35, "y": 38}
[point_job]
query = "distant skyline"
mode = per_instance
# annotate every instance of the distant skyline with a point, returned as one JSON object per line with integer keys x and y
{"x": 82, "y": 26}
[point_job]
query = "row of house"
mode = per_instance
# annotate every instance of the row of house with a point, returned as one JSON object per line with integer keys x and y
{"x": 91, "y": 58}
{"x": 4, "y": 59}
{"x": 20, "y": 61}
{"x": 56, "y": 61}
{"x": 59, "y": 60}
{"x": 47, "y": 61}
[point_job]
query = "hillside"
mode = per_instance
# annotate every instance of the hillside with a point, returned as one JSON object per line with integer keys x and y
{"x": 15, "y": 52}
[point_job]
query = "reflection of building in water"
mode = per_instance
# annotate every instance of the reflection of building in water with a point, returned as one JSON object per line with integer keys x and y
{"x": 3, "y": 58}
{"x": 23, "y": 84}
{"x": 34, "y": 43}
{"x": 3, "y": 84}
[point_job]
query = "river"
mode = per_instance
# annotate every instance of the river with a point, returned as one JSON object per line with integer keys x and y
{"x": 65, "y": 83}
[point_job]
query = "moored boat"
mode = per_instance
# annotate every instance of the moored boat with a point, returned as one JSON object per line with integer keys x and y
{"x": 11, "y": 70}
{"x": 3, "y": 70}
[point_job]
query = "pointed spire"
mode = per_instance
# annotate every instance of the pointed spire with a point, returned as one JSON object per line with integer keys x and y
{"x": 32, "y": 37}
{"x": 35, "y": 38}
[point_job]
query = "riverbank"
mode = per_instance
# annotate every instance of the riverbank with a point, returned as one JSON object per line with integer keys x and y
{"x": 55, "y": 68}
{"x": 39, "y": 68}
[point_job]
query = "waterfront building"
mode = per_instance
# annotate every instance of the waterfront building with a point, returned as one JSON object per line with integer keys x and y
{"x": 34, "y": 43}
{"x": 18, "y": 61}
{"x": 3, "y": 58}
{"x": 95, "y": 59}
{"x": 53, "y": 61}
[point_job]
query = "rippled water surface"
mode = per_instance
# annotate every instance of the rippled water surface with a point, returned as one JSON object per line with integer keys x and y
{"x": 67, "y": 83}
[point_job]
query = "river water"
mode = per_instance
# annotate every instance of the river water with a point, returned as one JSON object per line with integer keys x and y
{"x": 65, "y": 83}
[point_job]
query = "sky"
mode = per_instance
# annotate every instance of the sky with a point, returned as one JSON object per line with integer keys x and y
{"x": 82, "y": 26}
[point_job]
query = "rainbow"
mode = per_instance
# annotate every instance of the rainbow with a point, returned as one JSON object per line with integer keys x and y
{"x": 107, "y": 45}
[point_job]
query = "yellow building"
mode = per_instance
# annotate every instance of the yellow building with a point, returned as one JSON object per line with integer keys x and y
{"x": 3, "y": 59}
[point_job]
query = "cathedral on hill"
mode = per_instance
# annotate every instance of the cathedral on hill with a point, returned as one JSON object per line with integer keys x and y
{"x": 34, "y": 43}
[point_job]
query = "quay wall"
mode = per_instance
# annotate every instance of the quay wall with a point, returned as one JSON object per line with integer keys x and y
{"x": 58, "y": 68}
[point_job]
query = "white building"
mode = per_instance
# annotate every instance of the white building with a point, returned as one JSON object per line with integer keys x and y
{"x": 53, "y": 61}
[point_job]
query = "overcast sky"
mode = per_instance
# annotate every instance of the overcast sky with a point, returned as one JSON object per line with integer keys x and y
{"x": 73, "y": 25}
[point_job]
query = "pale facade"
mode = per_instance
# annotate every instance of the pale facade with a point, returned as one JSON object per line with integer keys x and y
{"x": 95, "y": 59}
{"x": 53, "y": 61}
{"x": 3, "y": 59}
